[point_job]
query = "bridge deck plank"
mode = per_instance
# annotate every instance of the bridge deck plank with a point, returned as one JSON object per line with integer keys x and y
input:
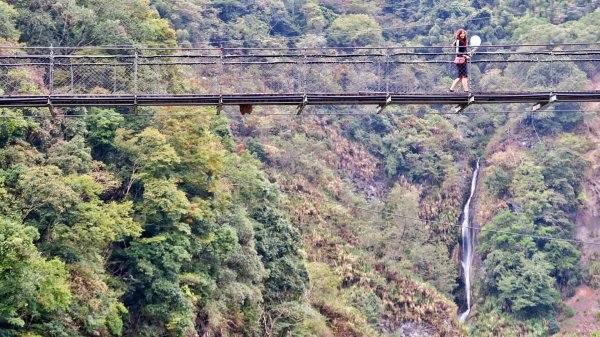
{"x": 291, "y": 99}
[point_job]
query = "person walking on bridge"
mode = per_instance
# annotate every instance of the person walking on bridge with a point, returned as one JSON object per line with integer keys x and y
{"x": 461, "y": 60}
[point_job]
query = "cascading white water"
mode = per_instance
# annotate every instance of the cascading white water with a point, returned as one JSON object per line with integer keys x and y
{"x": 467, "y": 244}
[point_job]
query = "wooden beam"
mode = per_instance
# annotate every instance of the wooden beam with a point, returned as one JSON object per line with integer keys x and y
{"x": 381, "y": 107}
{"x": 459, "y": 108}
{"x": 540, "y": 105}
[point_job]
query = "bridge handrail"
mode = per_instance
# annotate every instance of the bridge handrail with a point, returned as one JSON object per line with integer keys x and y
{"x": 232, "y": 56}
{"x": 218, "y": 49}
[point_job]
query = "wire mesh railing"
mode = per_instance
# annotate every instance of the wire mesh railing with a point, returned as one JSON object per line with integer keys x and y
{"x": 418, "y": 69}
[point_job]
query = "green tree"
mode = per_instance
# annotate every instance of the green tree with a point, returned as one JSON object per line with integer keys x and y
{"x": 147, "y": 156}
{"x": 313, "y": 14}
{"x": 530, "y": 190}
{"x": 529, "y": 290}
{"x": 155, "y": 295}
{"x": 354, "y": 30}
{"x": 71, "y": 157}
{"x": 45, "y": 196}
{"x": 32, "y": 288}
{"x": 80, "y": 23}
{"x": 497, "y": 181}
{"x": 14, "y": 126}
{"x": 8, "y": 22}
{"x": 102, "y": 125}
{"x": 563, "y": 257}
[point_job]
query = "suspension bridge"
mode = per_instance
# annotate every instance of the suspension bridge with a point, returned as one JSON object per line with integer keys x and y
{"x": 245, "y": 77}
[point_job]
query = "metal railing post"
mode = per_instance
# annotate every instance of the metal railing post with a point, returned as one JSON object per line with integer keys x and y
{"x": 305, "y": 68}
{"x": 219, "y": 81}
{"x": 72, "y": 91}
{"x": 135, "y": 72}
{"x": 135, "y": 81}
{"x": 470, "y": 79}
{"x": 386, "y": 72}
{"x": 379, "y": 74}
{"x": 552, "y": 69}
{"x": 114, "y": 78}
{"x": 51, "y": 75}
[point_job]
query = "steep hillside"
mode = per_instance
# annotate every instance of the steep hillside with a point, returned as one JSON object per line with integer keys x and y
{"x": 179, "y": 222}
{"x": 581, "y": 315}
{"x": 355, "y": 226}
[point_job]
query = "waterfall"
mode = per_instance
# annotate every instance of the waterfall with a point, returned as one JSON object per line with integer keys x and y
{"x": 467, "y": 244}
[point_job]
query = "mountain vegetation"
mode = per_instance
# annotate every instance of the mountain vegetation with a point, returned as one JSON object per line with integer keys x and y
{"x": 182, "y": 222}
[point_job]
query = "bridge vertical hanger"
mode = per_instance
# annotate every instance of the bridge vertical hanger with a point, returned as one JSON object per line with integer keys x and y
{"x": 381, "y": 107}
{"x": 221, "y": 69}
{"x": 541, "y": 105}
{"x": 135, "y": 82}
{"x": 459, "y": 108}
{"x": 379, "y": 75}
{"x": 51, "y": 70}
{"x": 305, "y": 72}
{"x": 469, "y": 82}
{"x": 303, "y": 83}
{"x": 388, "y": 98}
{"x": 114, "y": 76}
{"x": 72, "y": 83}
{"x": 387, "y": 71}
{"x": 551, "y": 67}
{"x": 51, "y": 80}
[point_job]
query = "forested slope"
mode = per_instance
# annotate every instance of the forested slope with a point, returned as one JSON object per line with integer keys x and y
{"x": 151, "y": 224}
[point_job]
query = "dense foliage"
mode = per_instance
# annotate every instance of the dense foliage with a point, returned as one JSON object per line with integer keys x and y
{"x": 115, "y": 224}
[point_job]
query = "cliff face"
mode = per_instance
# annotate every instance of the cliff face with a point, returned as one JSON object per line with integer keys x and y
{"x": 584, "y": 302}
{"x": 373, "y": 267}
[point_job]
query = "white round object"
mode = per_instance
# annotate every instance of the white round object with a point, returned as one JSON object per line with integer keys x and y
{"x": 475, "y": 41}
